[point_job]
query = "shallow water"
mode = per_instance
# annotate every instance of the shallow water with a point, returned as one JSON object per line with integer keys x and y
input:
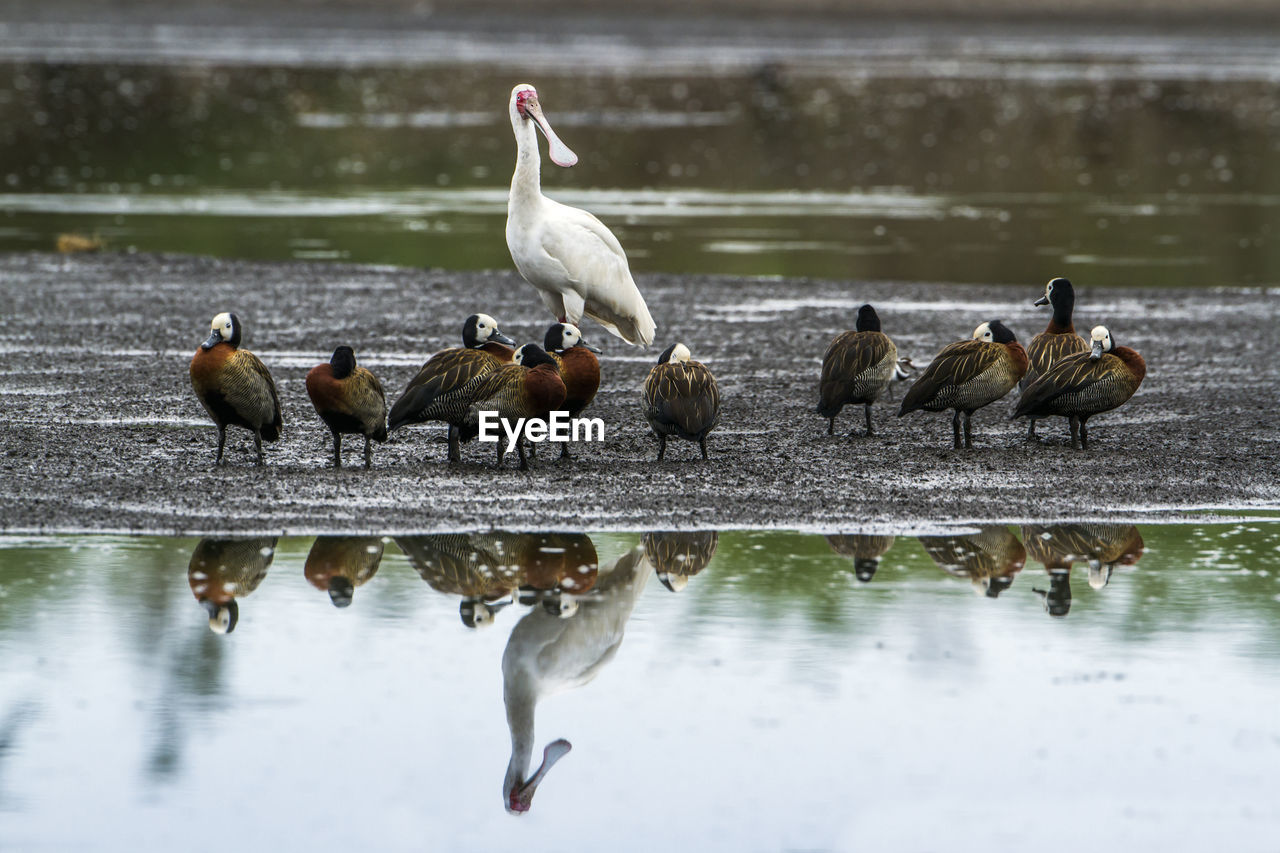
{"x": 775, "y": 702}
{"x": 1142, "y": 161}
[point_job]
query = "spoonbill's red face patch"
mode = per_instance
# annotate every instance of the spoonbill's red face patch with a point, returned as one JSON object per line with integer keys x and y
{"x": 525, "y": 98}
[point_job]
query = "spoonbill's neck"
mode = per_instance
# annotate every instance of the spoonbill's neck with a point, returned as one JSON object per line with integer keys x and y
{"x": 527, "y": 180}
{"x": 520, "y": 700}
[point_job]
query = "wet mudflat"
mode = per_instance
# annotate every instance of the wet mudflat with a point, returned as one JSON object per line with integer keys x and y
{"x": 102, "y": 430}
{"x": 1111, "y": 682}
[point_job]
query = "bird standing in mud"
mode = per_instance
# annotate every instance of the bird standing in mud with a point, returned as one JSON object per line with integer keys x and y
{"x": 349, "y": 399}
{"x": 574, "y": 262}
{"x": 234, "y": 385}
{"x": 681, "y": 398}
{"x": 441, "y": 391}
{"x": 579, "y": 369}
{"x": 857, "y": 368}
{"x": 1057, "y": 340}
{"x": 1081, "y": 385}
{"x": 529, "y": 388}
{"x": 967, "y": 375}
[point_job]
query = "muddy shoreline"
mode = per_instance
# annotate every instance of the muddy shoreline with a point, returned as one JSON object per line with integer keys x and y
{"x": 100, "y": 431}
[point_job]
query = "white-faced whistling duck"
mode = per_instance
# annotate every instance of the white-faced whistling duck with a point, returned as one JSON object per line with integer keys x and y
{"x": 1057, "y": 340}
{"x": 1080, "y": 386}
{"x": 442, "y": 389}
{"x": 967, "y": 375}
{"x": 681, "y": 399}
{"x": 530, "y": 387}
{"x": 579, "y": 369}
{"x": 234, "y": 386}
{"x": 857, "y": 369}
{"x": 349, "y": 399}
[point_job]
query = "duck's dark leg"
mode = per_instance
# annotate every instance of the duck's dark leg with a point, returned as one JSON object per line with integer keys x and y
{"x": 368, "y": 452}
{"x": 524, "y": 462}
{"x": 968, "y": 429}
{"x": 662, "y": 445}
{"x": 955, "y": 429}
{"x": 337, "y": 450}
{"x": 1031, "y": 430}
{"x": 702, "y": 442}
{"x": 1084, "y": 434}
{"x": 870, "y": 431}
{"x": 564, "y": 451}
{"x": 455, "y": 448}
{"x": 533, "y": 450}
{"x": 1075, "y": 432}
{"x": 257, "y": 443}
{"x": 831, "y": 426}
{"x": 501, "y": 451}
{"x": 222, "y": 440}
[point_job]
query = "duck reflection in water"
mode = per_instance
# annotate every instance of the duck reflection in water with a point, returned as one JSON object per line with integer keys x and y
{"x": 472, "y": 565}
{"x": 547, "y": 653}
{"x": 555, "y": 568}
{"x": 222, "y": 570}
{"x": 678, "y": 556}
{"x": 1058, "y": 546}
{"x": 487, "y": 569}
{"x": 990, "y": 558}
{"x": 339, "y": 564}
{"x": 864, "y": 549}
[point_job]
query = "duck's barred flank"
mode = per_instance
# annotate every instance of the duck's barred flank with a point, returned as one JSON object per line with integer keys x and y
{"x": 235, "y": 387}
{"x": 681, "y": 399}
{"x": 349, "y": 399}
{"x": 967, "y": 375}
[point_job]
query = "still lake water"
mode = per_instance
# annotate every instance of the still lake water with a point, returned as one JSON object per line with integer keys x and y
{"x": 1116, "y": 161}
{"x": 1062, "y": 687}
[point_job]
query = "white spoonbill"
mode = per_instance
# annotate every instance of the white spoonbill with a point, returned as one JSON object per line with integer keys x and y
{"x": 574, "y": 261}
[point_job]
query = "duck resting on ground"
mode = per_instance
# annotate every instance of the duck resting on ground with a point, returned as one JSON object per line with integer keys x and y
{"x": 1057, "y": 340}
{"x": 1084, "y": 384}
{"x": 441, "y": 391}
{"x": 681, "y": 399}
{"x": 349, "y": 399}
{"x": 234, "y": 386}
{"x": 967, "y": 375}
{"x": 856, "y": 369}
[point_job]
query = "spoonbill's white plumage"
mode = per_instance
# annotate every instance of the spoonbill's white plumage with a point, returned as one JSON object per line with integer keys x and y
{"x": 574, "y": 261}
{"x": 547, "y": 653}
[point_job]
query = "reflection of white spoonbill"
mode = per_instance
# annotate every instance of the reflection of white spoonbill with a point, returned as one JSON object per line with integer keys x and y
{"x": 548, "y": 653}
{"x": 574, "y": 261}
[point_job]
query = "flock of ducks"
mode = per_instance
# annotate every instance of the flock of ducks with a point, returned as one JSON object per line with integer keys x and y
{"x": 579, "y": 269}
{"x": 1061, "y": 374}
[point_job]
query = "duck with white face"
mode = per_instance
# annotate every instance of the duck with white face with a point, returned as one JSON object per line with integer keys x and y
{"x": 579, "y": 369}
{"x": 440, "y": 390}
{"x": 967, "y": 375}
{"x": 234, "y": 386}
{"x": 1084, "y": 384}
